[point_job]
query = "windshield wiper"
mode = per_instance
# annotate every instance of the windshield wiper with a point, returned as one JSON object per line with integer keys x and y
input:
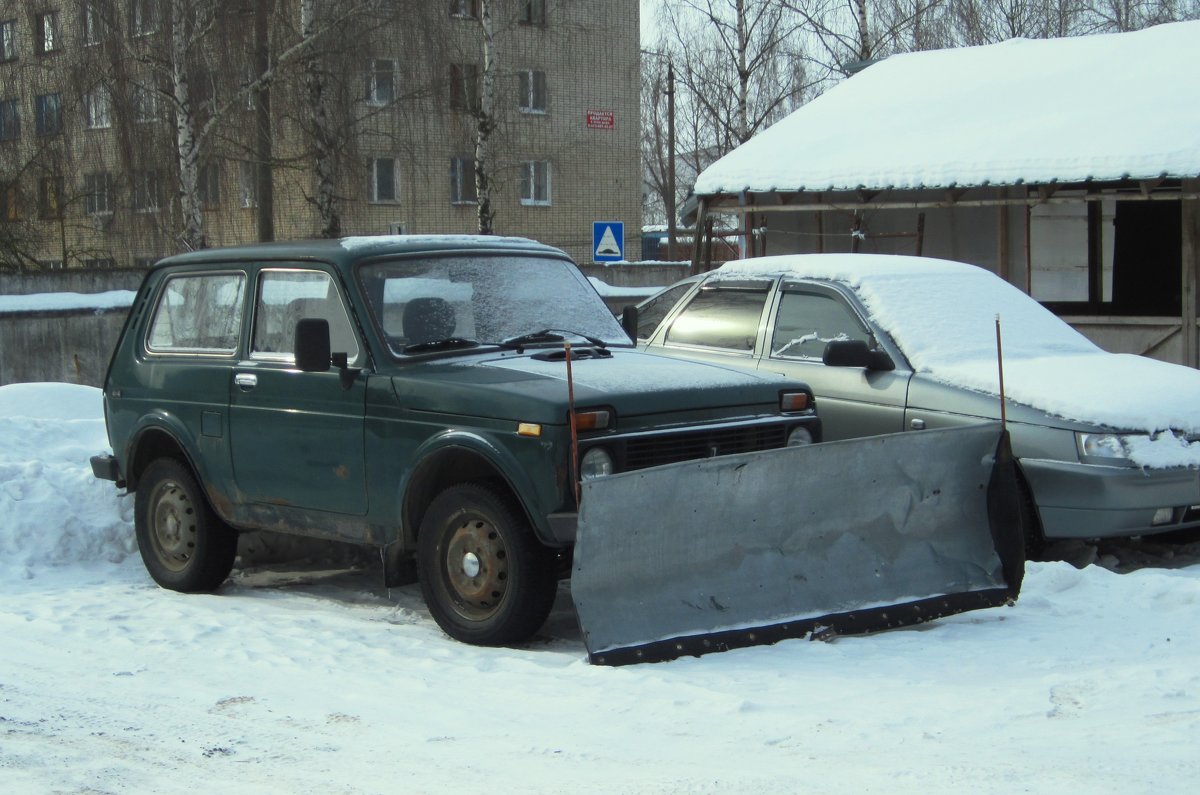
{"x": 446, "y": 344}
{"x": 548, "y": 335}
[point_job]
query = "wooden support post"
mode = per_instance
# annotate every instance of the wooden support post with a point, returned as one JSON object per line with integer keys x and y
{"x": 1002, "y": 267}
{"x": 697, "y": 237}
{"x": 1191, "y": 272}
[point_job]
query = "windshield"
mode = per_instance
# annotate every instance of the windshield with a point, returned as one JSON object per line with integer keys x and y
{"x": 425, "y": 305}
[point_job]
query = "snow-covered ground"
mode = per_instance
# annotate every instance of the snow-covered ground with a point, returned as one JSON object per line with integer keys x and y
{"x": 303, "y": 679}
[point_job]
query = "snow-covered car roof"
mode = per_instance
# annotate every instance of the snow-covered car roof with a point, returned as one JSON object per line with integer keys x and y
{"x": 943, "y": 314}
{"x": 1103, "y": 107}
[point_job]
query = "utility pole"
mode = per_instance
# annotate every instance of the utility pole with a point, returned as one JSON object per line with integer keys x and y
{"x": 671, "y": 210}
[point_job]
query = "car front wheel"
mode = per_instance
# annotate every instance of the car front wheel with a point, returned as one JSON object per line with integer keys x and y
{"x": 185, "y": 546}
{"x": 485, "y": 577}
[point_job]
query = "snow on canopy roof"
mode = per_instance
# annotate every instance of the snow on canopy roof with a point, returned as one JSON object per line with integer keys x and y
{"x": 1102, "y": 107}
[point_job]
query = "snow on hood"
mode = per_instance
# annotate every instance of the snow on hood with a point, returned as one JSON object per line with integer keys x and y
{"x": 1020, "y": 110}
{"x": 635, "y": 371}
{"x": 942, "y": 315}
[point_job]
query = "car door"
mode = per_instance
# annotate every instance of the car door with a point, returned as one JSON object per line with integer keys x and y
{"x": 296, "y": 437}
{"x": 852, "y": 401}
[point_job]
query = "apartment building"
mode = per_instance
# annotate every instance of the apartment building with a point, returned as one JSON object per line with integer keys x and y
{"x": 132, "y": 129}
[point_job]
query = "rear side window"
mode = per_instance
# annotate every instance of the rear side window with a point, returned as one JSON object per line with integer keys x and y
{"x": 720, "y": 318}
{"x": 654, "y": 310}
{"x": 808, "y": 321}
{"x": 198, "y": 314}
{"x": 288, "y": 296}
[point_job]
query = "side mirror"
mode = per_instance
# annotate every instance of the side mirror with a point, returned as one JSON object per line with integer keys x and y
{"x": 629, "y": 322}
{"x": 856, "y": 353}
{"x": 312, "y": 345}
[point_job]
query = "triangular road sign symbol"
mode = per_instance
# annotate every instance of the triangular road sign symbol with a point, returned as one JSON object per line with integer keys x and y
{"x": 608, "y": 244}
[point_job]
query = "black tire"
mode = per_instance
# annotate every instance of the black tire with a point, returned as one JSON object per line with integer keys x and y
{"x": 485, "y": 577}
{"x": 185, "y": 546}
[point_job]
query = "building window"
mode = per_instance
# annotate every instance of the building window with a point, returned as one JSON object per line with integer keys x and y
{"x": 143, "y": 17}
{"x": 248, "y": 183}
{"x": 10, "y": 120}
{"x": 48, "y": 109}
{"x": 8, "y": 40}
{"x": 145, "y": 104}
{"x": 96, "y": 24}
{"x": 462, "y": 181}
{"x": 50, "y": 197}
{"x": 147, "y": 191}
{"x": 533, "y": 12}
{"x": 97, "y": 108}
{"x": 209, "y": 186}
{"x": 464, "y": 86}
{"x": 535, "y": 182}
{"x": 532, "y": 91}
{"x": 100, "y": 262}
{"x": 98, "y": 193}
{"x": 46, "y": 32}
{"x": 381, "y": 81}
{"x": 464, "y": 9}
{"x": 383, "y": 179}
{"x": 10, "y": 201}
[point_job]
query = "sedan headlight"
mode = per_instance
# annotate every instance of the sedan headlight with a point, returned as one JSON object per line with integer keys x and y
{"x": 1105, "y": 448}
{"x": 596, "y": 463}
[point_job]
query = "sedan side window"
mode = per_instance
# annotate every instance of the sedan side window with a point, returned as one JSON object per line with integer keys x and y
{"x": 288, "y": 296}
{"x": 720, "y": 317}
{"x": 808, "y": 321}
{"x": 651, "y": 313}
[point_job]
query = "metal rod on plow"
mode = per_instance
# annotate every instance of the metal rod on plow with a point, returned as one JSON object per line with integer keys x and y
{"x": 574, "y": 474}
{"x": 999, "y": 363}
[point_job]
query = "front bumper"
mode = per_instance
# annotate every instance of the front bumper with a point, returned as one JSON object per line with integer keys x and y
{"x": 1090, "y": 501}
{"x": 106, "y": 467}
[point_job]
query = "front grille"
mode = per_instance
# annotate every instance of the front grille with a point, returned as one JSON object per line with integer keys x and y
{"x": 689, "y": 445}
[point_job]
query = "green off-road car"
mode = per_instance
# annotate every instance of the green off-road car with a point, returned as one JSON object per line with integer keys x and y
{"x": 410, "y": 393}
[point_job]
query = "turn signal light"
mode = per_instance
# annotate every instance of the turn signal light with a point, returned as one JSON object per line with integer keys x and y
{"x": 793, "y": 401}
{"x": 592, "y": 419}
{"x": 529, "y": 429}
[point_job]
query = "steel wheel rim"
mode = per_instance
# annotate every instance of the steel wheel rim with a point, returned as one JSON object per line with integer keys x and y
{"x": 172, "y": 525}
{"x": 476, "y": 566}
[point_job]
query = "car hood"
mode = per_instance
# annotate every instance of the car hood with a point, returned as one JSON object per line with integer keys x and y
{"x": 1119, "y": 391}
{"x": 533, "y": 387}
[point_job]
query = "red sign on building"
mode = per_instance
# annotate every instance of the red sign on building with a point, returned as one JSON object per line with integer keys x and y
{"x": 600, "y": 120}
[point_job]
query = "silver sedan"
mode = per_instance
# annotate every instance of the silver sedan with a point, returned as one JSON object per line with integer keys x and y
{"x": 1107, "y": 443}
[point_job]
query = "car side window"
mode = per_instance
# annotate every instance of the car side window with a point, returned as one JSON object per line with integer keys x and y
{"x": 651, "y": 313}
{"x": 198, "y": 314}
{"x": 807, "y": 321}
{"x": 288, "y": 296}
{"x": 721, "y": 317}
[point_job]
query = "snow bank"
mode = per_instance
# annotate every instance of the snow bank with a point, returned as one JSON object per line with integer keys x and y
{"x": 52, "y": 510}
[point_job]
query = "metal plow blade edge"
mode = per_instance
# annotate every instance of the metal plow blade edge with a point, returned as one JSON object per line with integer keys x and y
{"x": 834, "y": 538}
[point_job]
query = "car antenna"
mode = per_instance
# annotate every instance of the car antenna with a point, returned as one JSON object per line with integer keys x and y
{"x": 574, "y": 427}
{"x": 1000, "y": 365}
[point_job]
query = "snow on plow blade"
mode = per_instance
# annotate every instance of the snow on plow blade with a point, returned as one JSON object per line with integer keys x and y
{"x": 834, "y": 538}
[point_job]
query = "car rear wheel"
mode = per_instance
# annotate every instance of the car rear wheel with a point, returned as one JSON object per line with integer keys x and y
{"x": 185, "y": 546}
{"x": 485, "y": 577}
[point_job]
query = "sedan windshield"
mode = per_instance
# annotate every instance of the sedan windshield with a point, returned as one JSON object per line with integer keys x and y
{"x": 430, "y": 305}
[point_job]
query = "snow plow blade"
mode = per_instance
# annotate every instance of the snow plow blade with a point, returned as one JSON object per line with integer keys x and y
{"x": 827, "y": 539}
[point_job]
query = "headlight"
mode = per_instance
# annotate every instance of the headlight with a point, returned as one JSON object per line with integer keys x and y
{"x": 1104, "y": 448}
{"x": 799, "y": 436}
{"x": 596, "y": 463}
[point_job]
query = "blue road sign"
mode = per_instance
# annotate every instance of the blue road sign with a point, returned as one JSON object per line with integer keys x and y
{"x": 608, "y": 241}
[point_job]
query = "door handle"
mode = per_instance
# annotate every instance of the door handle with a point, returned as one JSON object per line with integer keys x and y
{"x": 246, "y": 380}
{"x": 917, "y": 425}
